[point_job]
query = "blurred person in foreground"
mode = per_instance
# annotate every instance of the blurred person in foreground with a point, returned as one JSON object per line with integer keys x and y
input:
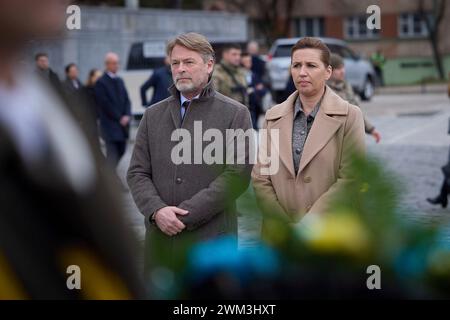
{"x": 318, "y": 134}
{"x": 186, "y": 200}
{"x": 58, "y": 207}
{"x": 344, "y": 90}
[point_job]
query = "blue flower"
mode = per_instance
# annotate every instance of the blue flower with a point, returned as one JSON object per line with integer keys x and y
{"x": 222, "y": 255}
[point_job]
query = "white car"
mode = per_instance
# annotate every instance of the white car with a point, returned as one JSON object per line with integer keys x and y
{"x": 143, "y": 58}
{"x": 359, "y": 72}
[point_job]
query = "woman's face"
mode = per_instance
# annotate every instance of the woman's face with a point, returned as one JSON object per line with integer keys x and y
{"x": 309, "y": 72}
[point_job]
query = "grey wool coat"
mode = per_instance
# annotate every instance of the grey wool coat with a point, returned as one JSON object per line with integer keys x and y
{"x": 207, "y": 191}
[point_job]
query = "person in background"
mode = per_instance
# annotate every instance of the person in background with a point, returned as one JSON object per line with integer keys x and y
{"x": 289, "y": 89}
{"x": 442, "y": 197}
{"x": 114, "y": 108}
{"x": 256, "y": 89}
{"x": 319, "y": 133}
{"x": 43, "y": 70}
{"x": 339, "y": 85}
{"x": 229, "y": 77}
{"x": 258, "y": 64}
{"x": 89, "y": 89}
{"x": 93, "y": 76}
{"x": 160, "y": 81}
{"x": 448, "y": 86}
{"x": 378, "y": 60}
{"x": 74, "y": 92}
{"x": 188, "y": 201}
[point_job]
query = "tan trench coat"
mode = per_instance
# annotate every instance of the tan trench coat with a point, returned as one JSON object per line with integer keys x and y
{"x": 338, "y": 129}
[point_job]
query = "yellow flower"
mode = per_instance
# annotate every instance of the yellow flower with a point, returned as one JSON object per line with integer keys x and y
{"x": 338, "y": 232}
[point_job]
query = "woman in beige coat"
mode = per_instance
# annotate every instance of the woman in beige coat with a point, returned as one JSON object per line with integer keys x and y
{"x": 318, "y": 133}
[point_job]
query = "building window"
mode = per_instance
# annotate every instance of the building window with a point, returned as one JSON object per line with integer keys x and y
{"x": 411, "y": 25}
{"x": 309, "y": 27}
{"x": 355, "y": 27}
{"x": 255, "y": 29}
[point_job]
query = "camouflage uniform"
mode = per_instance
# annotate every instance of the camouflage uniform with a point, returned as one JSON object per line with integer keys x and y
{"x": 345, "y": 91}
{"x": 223, "y": 82}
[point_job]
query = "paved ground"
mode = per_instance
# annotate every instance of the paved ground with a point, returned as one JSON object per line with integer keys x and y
{"x": 415, "y": 145}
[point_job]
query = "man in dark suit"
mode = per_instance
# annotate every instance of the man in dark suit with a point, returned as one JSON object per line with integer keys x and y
{"x": 43, "y": 70}
{"x": 114, "y": 108}
{"x": 160, "y": 80}
{"x": 72, "y": 85}
{"x": 255, "y": 90}
{"x": 59, "y": 219}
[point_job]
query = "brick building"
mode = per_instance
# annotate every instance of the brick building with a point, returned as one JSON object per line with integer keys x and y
{"x": 403, "y": 37}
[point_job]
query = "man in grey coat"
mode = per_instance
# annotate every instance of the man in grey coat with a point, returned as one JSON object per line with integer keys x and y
{"x": 192, "y": 199}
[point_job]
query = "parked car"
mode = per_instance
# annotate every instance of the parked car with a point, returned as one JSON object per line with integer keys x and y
{"x": 359, "y": 72}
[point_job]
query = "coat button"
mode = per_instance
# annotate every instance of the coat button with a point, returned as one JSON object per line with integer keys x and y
{"x": 178, "y": 180}
{"x": 298, "y": 151}
{"x": 307, "y": 179}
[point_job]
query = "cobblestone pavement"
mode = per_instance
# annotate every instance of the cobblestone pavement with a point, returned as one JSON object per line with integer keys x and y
{"x": 414, "y": 146}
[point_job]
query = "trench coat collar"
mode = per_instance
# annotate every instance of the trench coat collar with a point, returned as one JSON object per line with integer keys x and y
{"x": 175, "y": 104}
{"x": 324, "y": 127}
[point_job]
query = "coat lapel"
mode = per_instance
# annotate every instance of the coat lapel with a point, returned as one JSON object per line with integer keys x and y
{"x": 324, "y": 127}
{"x": 283, "y": 118}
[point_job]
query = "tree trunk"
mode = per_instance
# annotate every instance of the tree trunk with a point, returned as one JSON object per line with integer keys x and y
{"x": 433, "y": 31}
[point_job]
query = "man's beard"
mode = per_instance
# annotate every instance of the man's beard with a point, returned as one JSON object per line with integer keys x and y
{"x": 185, "y": 87}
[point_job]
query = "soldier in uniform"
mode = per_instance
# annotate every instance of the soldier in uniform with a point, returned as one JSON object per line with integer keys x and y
{"x": 229, "y": 77}
{"x": 344, "y": 90}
